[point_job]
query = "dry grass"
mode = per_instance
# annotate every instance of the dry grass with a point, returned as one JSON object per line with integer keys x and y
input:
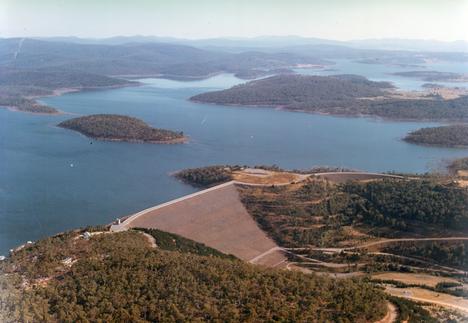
{"x": 269, "y": 178}
{"x": 445, "y": 93}
{"x": 419, "y": 279}
{"x": 424, "y": 295}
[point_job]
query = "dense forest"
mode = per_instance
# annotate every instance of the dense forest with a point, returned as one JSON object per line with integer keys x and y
{"x": 120, "y": 128}
{"x": 447, "y": 136}
{"x": 397, "y": 203}
{"x": 447, "y": 253}
{"x": 349, "y": 95}
{"x": 119, "y": 277}
{"x": 321, "y": 214}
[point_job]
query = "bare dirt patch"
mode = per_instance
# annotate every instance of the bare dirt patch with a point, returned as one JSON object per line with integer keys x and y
{"x": 424, "y": 295}
{"x": 462, "y": 183}
{"x": 266, "y": 177}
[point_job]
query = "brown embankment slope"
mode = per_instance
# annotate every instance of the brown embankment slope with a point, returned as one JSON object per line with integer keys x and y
{"x": 215, "y": 217}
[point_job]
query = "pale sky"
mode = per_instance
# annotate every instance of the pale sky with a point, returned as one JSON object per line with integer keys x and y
{"x": 331, "y": 19}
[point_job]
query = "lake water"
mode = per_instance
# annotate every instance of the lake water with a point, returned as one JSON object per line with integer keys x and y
{"x": 52, "y": 179}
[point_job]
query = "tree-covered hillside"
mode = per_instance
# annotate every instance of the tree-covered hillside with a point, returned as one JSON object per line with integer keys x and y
{"x": 319, "y": 213}
{"x": 118, "y": 277}
{"x": 398, "y": 203}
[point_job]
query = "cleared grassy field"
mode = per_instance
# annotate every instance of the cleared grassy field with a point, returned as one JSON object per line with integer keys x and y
{"x": 419, "y": 279}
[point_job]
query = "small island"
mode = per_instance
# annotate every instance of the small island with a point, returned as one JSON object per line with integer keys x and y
{"x": 446, "y": 136}
{"x": 112, "y": 127}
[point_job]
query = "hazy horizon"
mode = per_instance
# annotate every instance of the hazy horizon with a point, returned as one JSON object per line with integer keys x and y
{"x": 333, "y": 19}
{"x": 238, "y": 38}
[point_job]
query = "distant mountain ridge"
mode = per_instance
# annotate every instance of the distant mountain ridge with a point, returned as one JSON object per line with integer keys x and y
{"x": 282, "y": 41}
{"x": 140, "y": 59}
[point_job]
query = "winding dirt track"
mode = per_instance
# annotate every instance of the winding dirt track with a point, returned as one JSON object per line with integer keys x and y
{"x": 391, "y": 316}
{"x": 388, "y": 241}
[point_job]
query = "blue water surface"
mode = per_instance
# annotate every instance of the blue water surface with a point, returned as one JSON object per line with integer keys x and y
{"x": 53, "y": 179}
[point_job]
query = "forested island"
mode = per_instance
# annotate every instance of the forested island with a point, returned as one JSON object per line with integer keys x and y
{"x": 347, "y": 95}
{"x": 120, "y": 277}
{"x": 114, "y": 127}
{"x": 446, "y": 136}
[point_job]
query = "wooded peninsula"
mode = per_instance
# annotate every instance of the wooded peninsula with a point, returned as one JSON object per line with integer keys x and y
{"x": 446, "y": 136}
{"x": 348, "y": 95}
